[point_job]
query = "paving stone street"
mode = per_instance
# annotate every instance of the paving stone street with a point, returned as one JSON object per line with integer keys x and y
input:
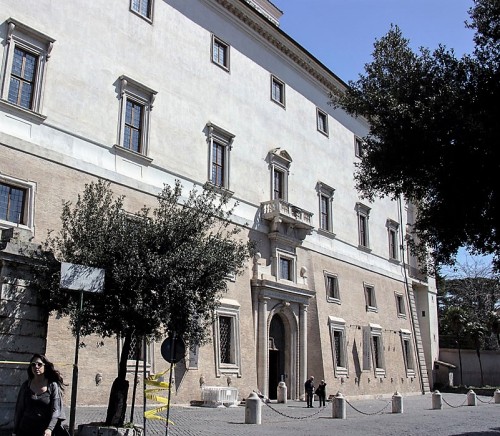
{"x": 364, "y": 417}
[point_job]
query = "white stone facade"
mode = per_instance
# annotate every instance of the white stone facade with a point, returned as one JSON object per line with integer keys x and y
{"x": 327, "y": 295}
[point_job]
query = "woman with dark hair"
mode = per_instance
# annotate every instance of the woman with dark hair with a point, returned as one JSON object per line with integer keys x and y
{"x": 39, "y": 406}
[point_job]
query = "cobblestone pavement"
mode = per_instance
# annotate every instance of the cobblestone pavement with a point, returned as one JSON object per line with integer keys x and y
{"x": 364, "y": 417}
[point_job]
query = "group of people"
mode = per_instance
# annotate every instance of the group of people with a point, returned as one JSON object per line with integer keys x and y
{"x": 320, "y": 391}
{"x": 39, "y": 408}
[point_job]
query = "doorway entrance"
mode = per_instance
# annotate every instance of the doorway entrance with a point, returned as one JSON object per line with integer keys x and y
{"x": 277, "y": 347}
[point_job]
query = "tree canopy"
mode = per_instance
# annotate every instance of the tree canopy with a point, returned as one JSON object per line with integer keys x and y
{"x": 433, "y": 129}
{"x": 165, "y": 268}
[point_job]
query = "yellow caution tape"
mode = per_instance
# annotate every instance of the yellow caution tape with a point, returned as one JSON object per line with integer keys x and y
{"x": 150, "y": 394}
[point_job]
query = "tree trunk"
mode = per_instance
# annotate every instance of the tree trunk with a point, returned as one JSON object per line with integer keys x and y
{"x": 480, "y": 366}
{"x": 117, "y": 405}
{"x": 460, "y": 360}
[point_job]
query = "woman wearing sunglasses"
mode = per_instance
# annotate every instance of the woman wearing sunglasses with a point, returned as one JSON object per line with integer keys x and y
{"x": 39, "y": 408}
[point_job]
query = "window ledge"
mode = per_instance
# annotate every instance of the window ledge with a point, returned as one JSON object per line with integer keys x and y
{"x": 147, "y": 19}
{"x": 326, "y": 233}
{"x": 34, "y": 116}
{"x": 136, "y": 157}
{"x": 365, "y": 249}
{"x": 394, "y": 261}
{"x": 402, "y": 315}
{"x": 333, "y": 300}
{"x": 371, "y": 309}
{"x": 219, "y": 189}
{"x": 323, "y": 133}
{"x": 341, "y": 371}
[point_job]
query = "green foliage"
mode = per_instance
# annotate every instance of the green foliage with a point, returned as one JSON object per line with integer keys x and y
{"x": 433, "y": 135}
{"x": 165, "y": 269}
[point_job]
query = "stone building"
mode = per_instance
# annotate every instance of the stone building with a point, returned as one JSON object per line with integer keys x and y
{"x": 144, "y": 92}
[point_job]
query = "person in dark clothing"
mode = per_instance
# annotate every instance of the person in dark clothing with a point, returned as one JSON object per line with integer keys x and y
{"x": 321, "y": 393}
{"x": 39, "y": 406}
{"x": 309, "y": 387}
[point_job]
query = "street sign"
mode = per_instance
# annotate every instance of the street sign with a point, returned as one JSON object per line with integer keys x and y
{"x": 81, "y": 278}
{"x": 173, "y": 350}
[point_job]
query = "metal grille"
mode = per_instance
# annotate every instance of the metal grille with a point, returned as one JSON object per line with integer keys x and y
{"x": 376, "y": 351}
{"x": 135, "y": 352}
{"x": 337, "y": 342}
{"x": 225, "y": 339}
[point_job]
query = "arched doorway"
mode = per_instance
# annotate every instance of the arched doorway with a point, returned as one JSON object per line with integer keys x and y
{"x": 277, "y": 347}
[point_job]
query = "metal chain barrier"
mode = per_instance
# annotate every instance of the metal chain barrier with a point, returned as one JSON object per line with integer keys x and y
{"x": 485, "y": 402}
{"x": 454, "y": 407}
{"x": 267, "y": 402}
{"x": 366, "y": 413}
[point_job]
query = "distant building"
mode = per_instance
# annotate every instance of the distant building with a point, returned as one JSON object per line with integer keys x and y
{"x": 143, "y": 92}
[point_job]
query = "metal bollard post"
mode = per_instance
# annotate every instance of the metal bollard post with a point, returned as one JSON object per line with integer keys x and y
{"x": 496, "y": 395}
{"x": 397, "y": 403}
{"x": 437, "y": 401}
{"x": 253, "y": 413}
{"x": 338, "y": 407}
{"x": 471, "y": 398}
{"x": 282, "y": 392}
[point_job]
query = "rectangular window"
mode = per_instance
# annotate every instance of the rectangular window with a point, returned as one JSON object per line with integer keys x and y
{"x": 220, "y": 53}
{"x": 22, "y": 79}
{"x": 339, "y": 346}
{"x": 324, "y": 212}
{"x": 27, "y": 53}
{"x": 358, "y": 147}
{"x": 363, "y": 213}
{"x": 227, "y": 338}
{"x": 136, "y": 103}
{"x": 16, "y": 203}
{"x": 132, "y": 134}
{"x": 220, "y": 142}
{"x": 392, "y": 235}
{"x": 400, "y": 305}
{"x": 143, "y": 8}
{"x": 332, "y": 288}
{"x": 277, "y": 91}
{"x": 408, "y": 355}
{"x": 278, "y": 184}
{"x": 12, "y": 201}
{"x": 286, "y": 265}
{"x": 218, "y": 164}
{"x": 375, "y": 348}
{"x": 371, "y": 303}
{"x": 325, "y": 195}
{"x": 139, "y": 350}
{"x": 322, "y": 121}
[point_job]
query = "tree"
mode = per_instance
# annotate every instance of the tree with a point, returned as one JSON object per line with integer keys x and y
{"x": 433, "y": 132}
{"x": 170, "y": 263}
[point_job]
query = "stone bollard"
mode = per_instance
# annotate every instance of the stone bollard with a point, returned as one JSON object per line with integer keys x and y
{"x": 471, "y": 398}
{"x": 282, "y": 392}
{"x": 437, "y": 400}
{"x": 496, "y": 395}
{"x": 397, "y": 403}
{"x": 339, "y": 406}
{"x": 253, "y": 413}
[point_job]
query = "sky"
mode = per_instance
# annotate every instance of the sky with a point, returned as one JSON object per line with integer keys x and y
{"x": 341, "y": 33}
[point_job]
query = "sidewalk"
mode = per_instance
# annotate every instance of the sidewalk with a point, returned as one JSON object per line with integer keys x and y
{"x": 364, "y": 417}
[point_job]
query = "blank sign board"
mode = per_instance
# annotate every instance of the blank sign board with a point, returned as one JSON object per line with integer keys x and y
{"x": 81, "y": 278}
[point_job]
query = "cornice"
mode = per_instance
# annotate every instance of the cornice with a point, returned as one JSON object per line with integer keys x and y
{"x": 282, "y": 42}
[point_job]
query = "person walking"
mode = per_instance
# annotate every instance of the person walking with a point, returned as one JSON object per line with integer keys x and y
{"x": 309, "y": 388}
{"x": 39, "y": 409}
{"x": 321, "y": 393}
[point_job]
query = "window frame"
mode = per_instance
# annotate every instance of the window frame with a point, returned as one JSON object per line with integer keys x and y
{"x": 408, "y": 358}
{"x": 230, "y": 309}
{"x": 278, "y": 84}
{"x": 363, "y": 217}
{"x": 338, "y": 325}
{"x": 393, "y": 239}
{"x": 149, "y": 16}
{"x": 400, "y": 305}
{"x": 370, "y": 297}
{"x": 224, "y": 139}
{"x": 29, "y": 189}
{"x": 332, "y": 297}
{"x": 326, "y": 193}
{"x": 292, "y": 266}
{"x": 39, "y": 45}
{"x": 131, "y": 363}
{"x": 279, "y": 162}
{"x": 370, "y": 355}
{"x": 227, "y": 50}
{"x": 135, "y": 92}
{"x": 358, "y": 147}
{"x": 322, "y": 118}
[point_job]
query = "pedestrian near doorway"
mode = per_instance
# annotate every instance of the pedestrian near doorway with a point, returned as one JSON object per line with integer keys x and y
{"x": 321, "y": 393}
{"x": 309, "y": 388}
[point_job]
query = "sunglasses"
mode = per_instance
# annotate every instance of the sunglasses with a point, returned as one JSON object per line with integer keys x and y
{"x": 37, "y": 364}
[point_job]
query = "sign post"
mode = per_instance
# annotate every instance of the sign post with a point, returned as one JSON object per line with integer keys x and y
{"x": 83, "y": 279}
